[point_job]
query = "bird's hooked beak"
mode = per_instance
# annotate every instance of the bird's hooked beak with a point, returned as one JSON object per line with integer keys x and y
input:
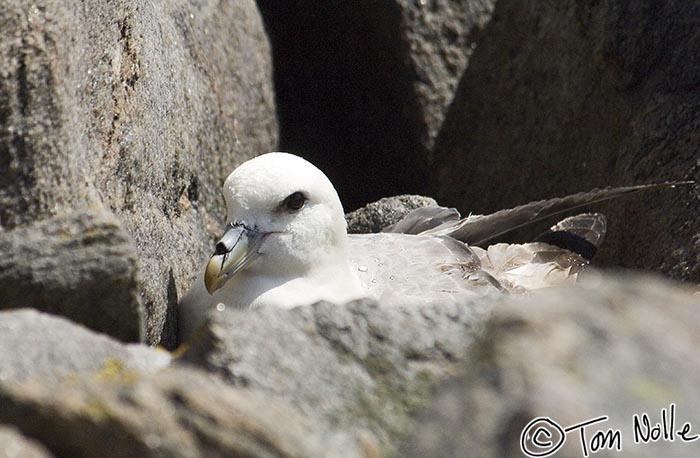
{"x": 234, "y": 251}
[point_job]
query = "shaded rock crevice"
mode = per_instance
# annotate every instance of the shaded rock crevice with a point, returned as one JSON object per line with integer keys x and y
{"x": 362, "y": 90}
{"x": 344, "y": 95}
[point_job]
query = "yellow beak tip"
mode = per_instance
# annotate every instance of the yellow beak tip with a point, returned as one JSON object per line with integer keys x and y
{"x": 211, "y": 276}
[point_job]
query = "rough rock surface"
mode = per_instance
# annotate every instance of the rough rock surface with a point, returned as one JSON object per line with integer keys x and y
{"x": 38, "y": 346}
{"x": 375, "y": 216}
{"x": 328, "y": 380}
{"x": 81, "y": 265}
{"x": 81, "y": 394}
{"x": 564, "y": 96}
{"x": 436, "y": 42}
{"x": 14, "y": 445}
{"x": 141, "y": 106}
{"x": 175, "y": 413}
{"x": 606, "y": 347}
{"x": 362, "y": 89}
{"x": 358, "y": 367}
{"x": 137, "y": 110}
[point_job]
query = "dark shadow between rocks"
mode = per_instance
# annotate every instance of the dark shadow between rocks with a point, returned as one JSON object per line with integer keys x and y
{"x": 168, "y": 337}
{"x": 344, "y": 97}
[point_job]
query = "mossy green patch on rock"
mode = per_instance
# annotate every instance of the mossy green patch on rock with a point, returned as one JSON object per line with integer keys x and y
{"x": 115, "y": 370}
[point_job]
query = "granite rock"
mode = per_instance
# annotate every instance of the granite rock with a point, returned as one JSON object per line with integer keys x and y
{"x": 375, "y": 216}
{"x": 566, "y": 96}
{"x": 614, "y": 347}
{"x": 359, "y": 367}
{"x": 80, "y": 265}
{"x": 142, "y": 107}
{"x": 82, "y": 394}
{"x": 47, "y": 348}
{"x": 178, "y": 412}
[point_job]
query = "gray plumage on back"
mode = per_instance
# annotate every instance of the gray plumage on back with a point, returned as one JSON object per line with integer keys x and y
{"x": 423, "y": 219}
{"x": 424, "y": 268}
{"x": 404, "y": 268}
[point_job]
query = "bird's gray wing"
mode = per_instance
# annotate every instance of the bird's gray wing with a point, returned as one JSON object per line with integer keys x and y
{"x": 401, "y": 267}
{"x": 423, "y": 219}
{"x": 427, "y": 268}
{"x": 481, "y": 229}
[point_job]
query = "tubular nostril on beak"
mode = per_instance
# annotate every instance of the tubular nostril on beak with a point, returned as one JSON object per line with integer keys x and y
{"x": 236, "y": 249}
{"x": 220, "y": 249}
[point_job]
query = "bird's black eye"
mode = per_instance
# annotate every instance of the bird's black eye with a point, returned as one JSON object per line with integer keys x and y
{"x": 294, "y": 201}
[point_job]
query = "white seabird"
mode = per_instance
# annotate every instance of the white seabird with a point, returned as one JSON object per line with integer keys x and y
{"x": 286, "y": 244}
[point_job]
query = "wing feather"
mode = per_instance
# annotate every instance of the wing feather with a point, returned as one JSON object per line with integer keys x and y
{"x": 481, "y": 229}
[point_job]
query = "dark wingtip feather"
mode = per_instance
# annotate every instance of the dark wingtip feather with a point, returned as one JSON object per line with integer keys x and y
{"x": 482, "y": 230}
{"x": 582, "y": 234}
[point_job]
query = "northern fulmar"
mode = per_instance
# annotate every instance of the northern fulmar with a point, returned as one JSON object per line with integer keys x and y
{"x": 286, "y": 244}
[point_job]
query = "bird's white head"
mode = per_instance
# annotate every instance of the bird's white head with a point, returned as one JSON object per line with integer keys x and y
{"x": 284, "y": 218}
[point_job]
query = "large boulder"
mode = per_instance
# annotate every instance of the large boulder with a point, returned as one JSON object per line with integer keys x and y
{"x": 607, "y": 347}
{"x": 564, "y": 96}
{"x": 375, "y": 216}
{"x": 81, "y": 265}
{"x": 82, "y": 394}
{"x": 175, "y": 413}
{"x": 359, "y": 367}
{"x": 435, "y": 42}
{"x": 330, "y": 380}
{"x": 141, "y": 107}
{"x": 38, "y": 346}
